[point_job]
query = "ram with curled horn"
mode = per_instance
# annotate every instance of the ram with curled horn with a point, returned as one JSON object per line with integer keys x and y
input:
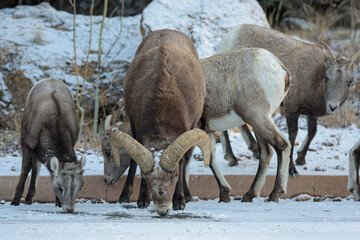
{"x": 321, "y": 81}
{"x": 164, "y": 92}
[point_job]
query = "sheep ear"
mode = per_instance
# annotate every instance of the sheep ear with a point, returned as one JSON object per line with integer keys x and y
{"x": 327, "y": 57}
{"x": 54, "y": 164}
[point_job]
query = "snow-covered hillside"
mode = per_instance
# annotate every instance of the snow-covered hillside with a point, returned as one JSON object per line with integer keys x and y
{"x": 38, "y": 40}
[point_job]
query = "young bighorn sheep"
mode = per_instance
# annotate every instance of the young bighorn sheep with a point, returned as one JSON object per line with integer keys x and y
{"x": 49, "y": 131}
{"x": 354, "y": 163}
{"x": 246, "y": 86}
{"x": 164, "y": 92}
{"x": 320, "y": 80}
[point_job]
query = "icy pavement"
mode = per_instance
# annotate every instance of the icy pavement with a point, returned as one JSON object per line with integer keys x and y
{"x": 288, "y": 219}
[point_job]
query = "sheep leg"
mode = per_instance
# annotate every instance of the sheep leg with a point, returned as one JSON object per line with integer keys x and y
{"x": 353, "y": 179}
{"x": 187, "y": 157}
{"x": 128, "y": 186}
{"x": 224, "y": 186}
{"x": 25, "y": 169}
{"x": 292, "y": 123}
{"x": 144, "y": 195}
{"x": 312, "y": 128}
{"x": 178, "y": 200}
{"x": 265, "y": 153}
{"x": 228, "y": 153}
{"x": 249, "y": 139}
{"x": 282, "y": 147}
{"x": 33, "y": 182}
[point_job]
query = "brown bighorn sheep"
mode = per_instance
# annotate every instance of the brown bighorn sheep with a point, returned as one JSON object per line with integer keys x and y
{"x": 112, "y": 173}
{"x": 164, "y": 92}
{"x": 320, "y": 81}
{"x": 49, "y": 131}
{"x": 246, "y": 86}
{"x": 354, "y": 163}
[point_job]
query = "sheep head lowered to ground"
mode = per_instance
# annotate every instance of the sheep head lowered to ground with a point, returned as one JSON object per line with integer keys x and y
{"x": 320, "y": 81}
{"x": 49, "y": 131}
{"x": 164, "y": 92}
{"x": 112, "y": 173}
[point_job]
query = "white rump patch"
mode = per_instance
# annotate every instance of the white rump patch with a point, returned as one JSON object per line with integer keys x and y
{"x": 225, "y": 122}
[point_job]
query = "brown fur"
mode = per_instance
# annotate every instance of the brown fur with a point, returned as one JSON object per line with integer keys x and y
{"x": 309, "y": 66}
{"x": 164, "y": 91}
{"x": 48, "y": 134}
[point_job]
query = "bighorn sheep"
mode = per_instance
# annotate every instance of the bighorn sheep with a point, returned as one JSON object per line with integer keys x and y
{"x": 164, "y": 92}
{"x": 354, "y": 163}
{"x": 49, "y": 131}
{"x": 112, "y": 173}
{"x": 320, "y": 81}
{"x": 246, "y": 86}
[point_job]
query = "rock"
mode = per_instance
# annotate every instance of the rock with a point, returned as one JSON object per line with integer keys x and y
{"x": 320, "y": 169}
{"x": 338, "y": 167}
{"x": 327, "y": 144}
{"x": 302, "y": 198}
{"x": 13, "y": 169}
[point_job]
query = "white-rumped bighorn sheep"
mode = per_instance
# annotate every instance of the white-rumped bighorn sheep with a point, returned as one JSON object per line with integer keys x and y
{"x": 320, "y": 80}
{"x": 354, "y": 163}
{"x": 164, "y": 92}
{"x": 49, "y": 130}
{"x": 246, "y": 86}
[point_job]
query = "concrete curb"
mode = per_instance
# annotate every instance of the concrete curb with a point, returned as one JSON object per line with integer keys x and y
{"x": 203, "y": 186}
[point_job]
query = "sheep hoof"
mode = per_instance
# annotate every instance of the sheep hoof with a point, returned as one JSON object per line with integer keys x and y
{"x": 233, "y": 162}
{"x": 123, "y": 199}
{"x": 274, "y": 197}
{"x": 224, "y": 194}
{"x": 143, "y": 203}
{"x": 15, "y": 201}
{"x": 28, "y": 201}
{"x": 179, "y": 203}
{"x": 248, "y": 197}
{"x": 300, "y": 161}
{"x": 293, "y": 172}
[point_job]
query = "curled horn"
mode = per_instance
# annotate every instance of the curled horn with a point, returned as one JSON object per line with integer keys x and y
{"x": 182, "y": 144}
{"x": 353, "y": 58}
{"x": 142, "y": 156}
{"x": 328, "y": 49}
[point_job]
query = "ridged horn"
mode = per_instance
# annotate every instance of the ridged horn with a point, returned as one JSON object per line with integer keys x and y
{"x": 176, "y": 150}
{"x": 328, "y": 49}
{"x": 142, "y": 156}
{"x": 353, "y": 58}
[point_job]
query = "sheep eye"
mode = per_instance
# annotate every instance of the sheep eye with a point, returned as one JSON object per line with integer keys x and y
{"x": 60, "y": 189}
{"x": 349, "y": 83}
{"x": 326, "y": 79}
{"x": 64, "y": 174}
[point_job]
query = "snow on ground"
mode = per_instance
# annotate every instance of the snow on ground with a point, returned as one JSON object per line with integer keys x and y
{"x": 288, "y": 219}
{"x": 333, "y": 160}
{"x": 43, "y": 39}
